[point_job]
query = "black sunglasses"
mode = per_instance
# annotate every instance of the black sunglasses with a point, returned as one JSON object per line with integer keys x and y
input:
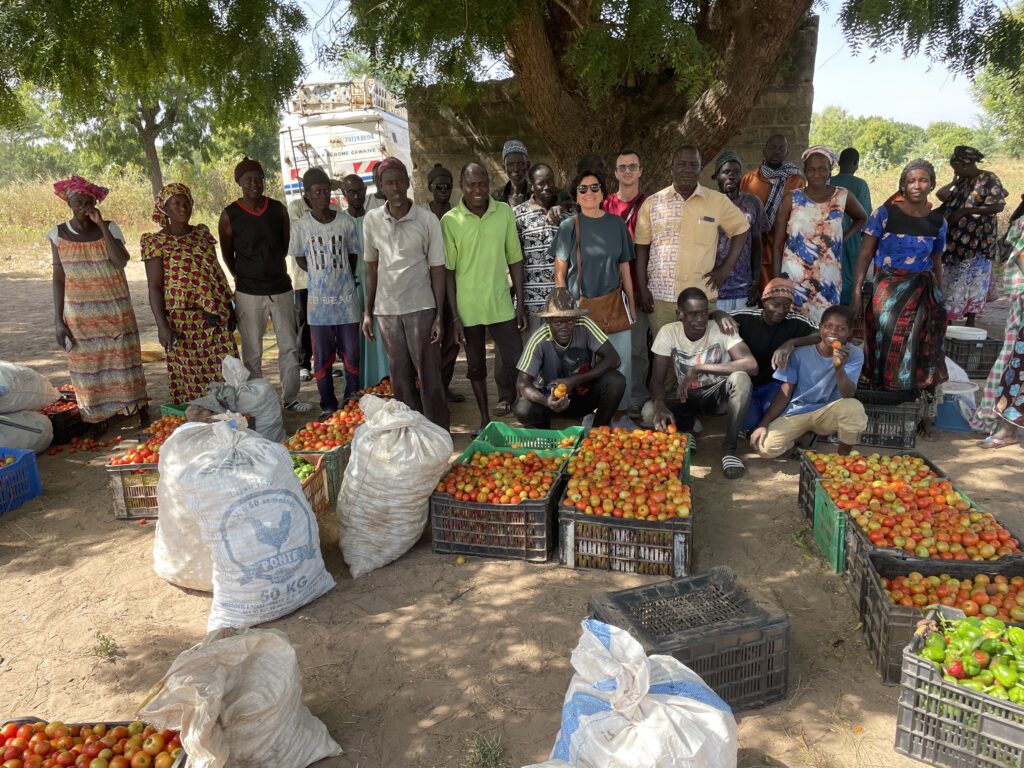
{"x": 442, "y": 186}
{"x": 582, "y": 188}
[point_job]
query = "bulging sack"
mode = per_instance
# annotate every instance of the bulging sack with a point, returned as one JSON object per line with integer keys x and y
{"x": 27, "y": 430}
{"x": 254, "y": 520}
{"x": 256, "y": 397}
{"x": 624, "y": 709}
{"x": 398, "y": 456}
{"x": 22, "y": 389}
{"x": 238, "y": 700}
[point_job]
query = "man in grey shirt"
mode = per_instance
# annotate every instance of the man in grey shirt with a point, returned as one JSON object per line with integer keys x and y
{"x": 404, "y": 287}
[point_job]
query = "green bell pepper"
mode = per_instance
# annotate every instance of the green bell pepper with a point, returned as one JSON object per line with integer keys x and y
{"x": 992, "y": 628}
{"x": 986, "y": 677}
{"x": 972, "y": 684}
{"x": 934, "y": 647}
{"x": 1016, "y": 637}
{"x": 998, "y": 692}
{"x": 1017, "y": 694}
{"x": 971, "y": 666}
{"x": 1005, "y": 672}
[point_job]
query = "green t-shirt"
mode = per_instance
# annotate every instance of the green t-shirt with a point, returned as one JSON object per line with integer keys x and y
{"x": 479, "y": 250}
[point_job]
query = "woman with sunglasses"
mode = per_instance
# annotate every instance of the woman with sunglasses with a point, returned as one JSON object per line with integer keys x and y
{"x": 605, "y": 251}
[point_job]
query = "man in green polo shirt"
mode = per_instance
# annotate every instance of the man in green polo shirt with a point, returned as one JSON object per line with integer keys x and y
{"x": 481, "y": 251}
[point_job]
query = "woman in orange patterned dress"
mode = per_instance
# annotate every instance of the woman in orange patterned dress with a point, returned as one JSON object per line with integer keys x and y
{"x": 189, "y": 295}
{"x": 93, "y": 312}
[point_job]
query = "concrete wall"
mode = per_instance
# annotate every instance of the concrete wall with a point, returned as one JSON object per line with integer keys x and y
{"x": 440, "y": 134}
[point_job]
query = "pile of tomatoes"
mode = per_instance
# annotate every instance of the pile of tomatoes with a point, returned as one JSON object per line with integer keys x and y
{"x": 381, "y": 390}
{"x": 60, "y": 406}
{"x": 927, "y": 519}
{"x": 333, "y": 432}
{"x": 149, "y": 451}
{"x": 501, "y": 477}
{"x": 85, "y": 445}
{"x": 874, "y": 466}
{"x": 632, "y": 475}
{"x": 46, "y": 745}
{"x": 996, "y": 596}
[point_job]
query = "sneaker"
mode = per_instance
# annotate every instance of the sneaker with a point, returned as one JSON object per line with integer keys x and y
{"x": 325, "y": 414}
{"x": 305, "y": 375}
{"x": 624, "y": 422}
{"x": 298, "y": 406}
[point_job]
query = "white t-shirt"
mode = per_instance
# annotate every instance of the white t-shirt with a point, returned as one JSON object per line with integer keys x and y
{"x": 115, "y": 231}
{"x": 712, "y": 348}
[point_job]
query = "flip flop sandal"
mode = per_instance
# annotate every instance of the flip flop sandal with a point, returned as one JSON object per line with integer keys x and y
{"x": 456, "y": 397}
{"x": 993, "y": 442}
{"x": 732, "y": 467}
{"x": 504, "y": 408}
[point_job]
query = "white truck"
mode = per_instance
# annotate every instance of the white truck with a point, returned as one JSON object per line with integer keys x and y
{"x": 343, "y": 127}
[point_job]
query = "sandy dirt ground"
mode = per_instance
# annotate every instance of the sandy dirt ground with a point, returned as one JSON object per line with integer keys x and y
{"x": 408, "y": 664}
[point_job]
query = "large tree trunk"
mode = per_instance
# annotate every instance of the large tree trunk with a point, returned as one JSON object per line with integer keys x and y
{"x": 149, "y": 128}
{"x": 156, "y": 175}
{"x": 750, "y": 37}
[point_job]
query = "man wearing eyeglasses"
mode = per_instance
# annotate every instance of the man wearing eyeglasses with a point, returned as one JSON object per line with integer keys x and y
{"x": 625, "y": 203}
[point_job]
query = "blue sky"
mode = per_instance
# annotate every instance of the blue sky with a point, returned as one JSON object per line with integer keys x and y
{"x": 912, "y": 91}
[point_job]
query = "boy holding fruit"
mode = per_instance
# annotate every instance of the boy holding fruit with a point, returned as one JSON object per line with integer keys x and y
{"x": 568, "y": 368}
{"x": 817, "y": 394}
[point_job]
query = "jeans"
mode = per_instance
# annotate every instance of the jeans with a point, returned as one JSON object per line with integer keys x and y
{"x": 640, "y": 347}
{"x": 302, "y": 330}
{"x": 604, "y": 396}
{"x": 412, "y": 356}
{"x": 760, "y": 399}
{"x": 731, "y": 397}
{"x": 329, "y": 343}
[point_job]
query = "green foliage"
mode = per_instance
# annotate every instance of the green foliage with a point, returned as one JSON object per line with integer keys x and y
{"x": 885, "y": 143}
{"x": 1001, "y": 95}
{"x": 451, "y": 44}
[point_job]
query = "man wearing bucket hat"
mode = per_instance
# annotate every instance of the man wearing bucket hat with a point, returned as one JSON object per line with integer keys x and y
{"x": 568, "y": 368}
{"x": 772, "y": 333}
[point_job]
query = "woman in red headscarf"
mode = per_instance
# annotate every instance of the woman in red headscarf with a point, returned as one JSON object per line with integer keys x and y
{"x": 93, "y": 312}
{"x": 189, "y": 295}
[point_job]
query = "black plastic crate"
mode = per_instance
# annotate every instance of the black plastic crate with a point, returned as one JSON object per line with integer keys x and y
{"x": 626, "y": 546}
{"x": 975, "y": 357}
{"x": 892, "y": 423}
{"x": 708, "y": 622}
{"x": 889, "y": 627}
{"x": 67, "y": 425}
{"x": 949, "y": 726}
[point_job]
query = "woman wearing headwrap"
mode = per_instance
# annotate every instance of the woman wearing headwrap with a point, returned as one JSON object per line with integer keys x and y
{"x": 93, "y": 308}
{"x": 906, "y": 321}
{"x": 808, "y": 237}
{"x": 189, "y": 295}
{"x": 970, "y": 203}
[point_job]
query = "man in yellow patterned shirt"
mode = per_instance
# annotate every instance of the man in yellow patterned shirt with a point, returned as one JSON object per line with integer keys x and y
{"x": 677, "y": 236}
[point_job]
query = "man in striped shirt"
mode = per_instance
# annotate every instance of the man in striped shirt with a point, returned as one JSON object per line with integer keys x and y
{"x": 568, "y": 368}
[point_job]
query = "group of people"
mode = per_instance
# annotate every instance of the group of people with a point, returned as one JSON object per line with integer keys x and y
{"x": 609, "y": 306}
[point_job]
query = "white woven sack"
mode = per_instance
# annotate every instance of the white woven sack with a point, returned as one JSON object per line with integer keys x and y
{"x": 22, "y": 389}
{"x": 237, "y": 700}
{"x": 624, "y": 709}
{"x": 398, "y": 455}
{"x": 37, "y": 438}
{"x": 256, "y": 397}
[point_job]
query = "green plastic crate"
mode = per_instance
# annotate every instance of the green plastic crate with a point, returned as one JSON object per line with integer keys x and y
{"x": 484, "y": 447}
{"x": 173, "y": 409}
{"x": 501, "y": 435}
{"x": 829, "y": 529}
{"x": 335, "y": 461}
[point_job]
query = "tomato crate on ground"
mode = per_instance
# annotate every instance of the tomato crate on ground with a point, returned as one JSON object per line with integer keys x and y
{"x": 708, "y": 622}
{"x": 134, "y": 489}
{"x": 173, "y": 409}
{"x": 335, "y": 461}
{"x": 830, "y": 525}
{"x": 950, "y": 726}
{"x": 809, "y": 475}
{"x": 19, "y": 482}
{"x": 314, "y": 487}
{"x": 179, "y": 762}
{"x": 975, "y": 357}
{"x": 523, "y": 531}
{"x": 626, "y": 546}
{"x": 888, "y": 627}
{"x": 501, "y": 435}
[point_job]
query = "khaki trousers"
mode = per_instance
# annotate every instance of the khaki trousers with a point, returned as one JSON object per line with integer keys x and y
{"x": 253, "y": 312}
{"x": 845, "y": 416}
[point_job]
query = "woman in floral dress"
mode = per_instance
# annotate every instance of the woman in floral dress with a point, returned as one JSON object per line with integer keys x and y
{"x": 189, "y": 295}
{"x": 808, "y": 236}
{"x": 970, "y": 203}
{"x": 1001, "y": 412}
{"x": 94, "y": 318}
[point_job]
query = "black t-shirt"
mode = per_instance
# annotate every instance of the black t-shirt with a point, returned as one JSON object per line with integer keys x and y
{"x": 764, "y": 339}
{"x": 261, "y": 251}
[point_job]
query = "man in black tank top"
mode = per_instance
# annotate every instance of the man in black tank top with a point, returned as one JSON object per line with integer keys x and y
{"x": 254, "y": 232}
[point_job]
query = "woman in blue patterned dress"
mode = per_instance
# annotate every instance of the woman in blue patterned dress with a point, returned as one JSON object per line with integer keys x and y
{"x": 906, "y": 321}
{"x": 808, "y": 235}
